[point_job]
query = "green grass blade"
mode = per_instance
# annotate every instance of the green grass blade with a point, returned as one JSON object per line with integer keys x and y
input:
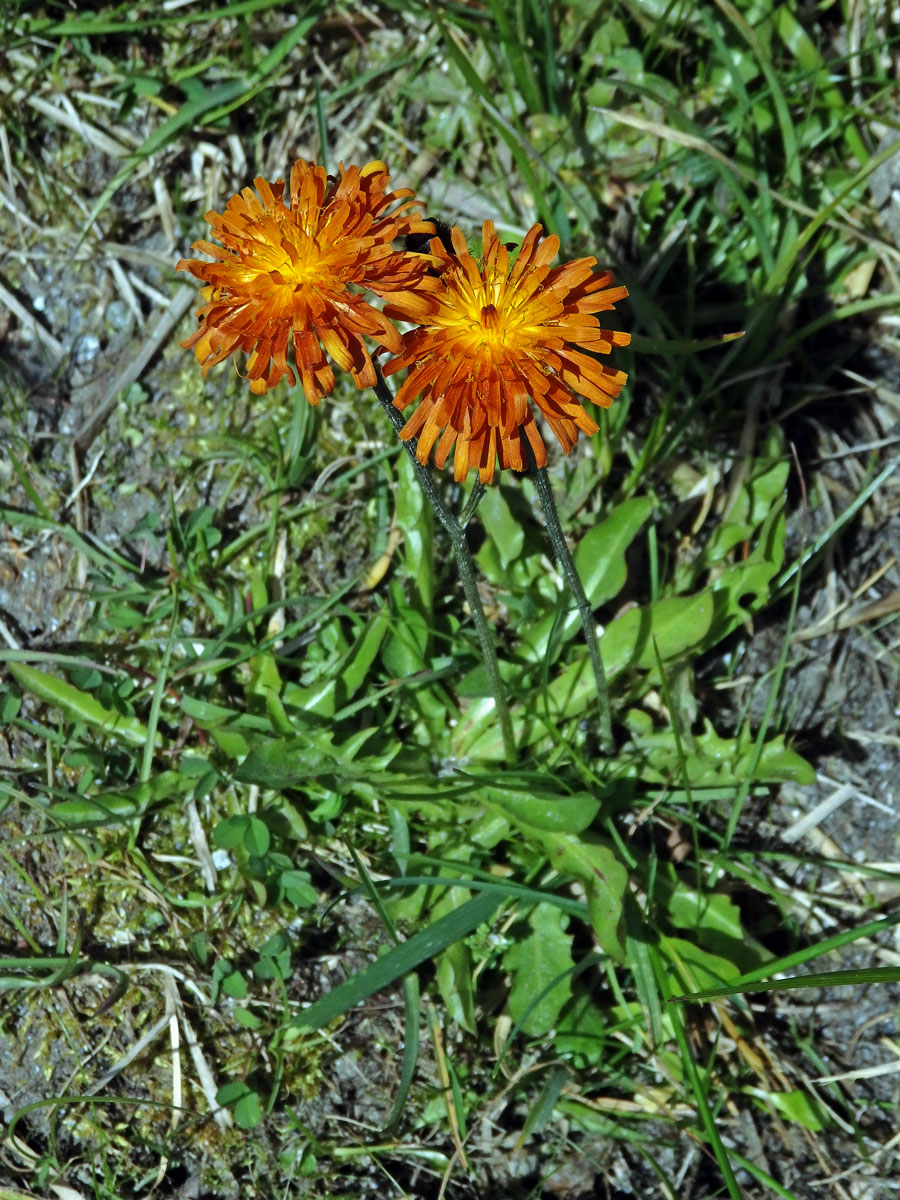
{"x": 101, "y": 556}
{"x": 520, "y": 62}
{"x": 699, "y": 1083}
{"x": 411, "y": 1008}
{"x": 159, "y": 689}
{"x": 404, "y": 958}
{"x": 811, "y": 555}
{"x": 851, "y": 977}
{"x": 514, "y": 142}
{"x": 791, "y": 252}
{"x": 637, "y": 954}
{"x": 210, "y": 106}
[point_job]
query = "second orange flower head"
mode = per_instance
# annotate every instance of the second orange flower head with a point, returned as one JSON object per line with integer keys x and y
{"x": 288, "y": 270}
{"x": 493, "y": 340}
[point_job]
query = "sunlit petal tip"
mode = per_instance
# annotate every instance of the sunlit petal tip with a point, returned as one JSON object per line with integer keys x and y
{"x": 458, "y": 240}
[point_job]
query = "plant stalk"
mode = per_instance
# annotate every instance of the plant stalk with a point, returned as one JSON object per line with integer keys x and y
{"x": 585, "y": 612}
{"x": 457, "y": 535}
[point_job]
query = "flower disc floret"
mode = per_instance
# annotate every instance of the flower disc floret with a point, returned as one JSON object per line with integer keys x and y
{"x": 290, "y": 269}
{"x": 492, "y": 342}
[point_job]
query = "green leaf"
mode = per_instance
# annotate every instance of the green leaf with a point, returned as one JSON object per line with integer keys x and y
{"x": 454, "y": 980}
{"x": 248, "y": 1111}
{"x": 234, "y": 985}
{"x": 676, "y": 623}
{"x": 794, "y": 1106}
{"x": 717, "y": 760}
{"x": 355, "y": 667}
{"x": 9, "y": 706}
{"x": 200, "y": 948}
{"x": 745, "y": 587}
{"x": 540, "y": 965}
{"x": 274, "y": 958}
{"x": 405, "y": 651}
{"x": 298, "y": 889}
{"x": 230, "y": 832}
{"x": 226, "y": 726}
{"x": 716, "y": 912}
{"x": 415, "y": 519}
{"x": 245, "y": 1017}
{"x": 284, "y": 762}
{"x": 600, "y": 555}
{"x": 679, "y": 623}
{"x": 713, "y": 919}
{"x": 696, "y": 968}
{"x": 604, "y": 879}
{"x": 123, "y": 804}
{"x": 503, "y": 529}
{"x": 264, "y": 676}
{"x": 544, "y": 810}
{"x": 760, "y": 496}
{"x": 77, "y": 705}
{"x": 243, "y": 1102}
{"x": 581, "y": 1032}
{"x": 229, "y": 1092}
{"x": 88, "y": 811}
{"x": 317, "y": 699}
{"x": 232, "y": 743}
{"x": 256, "y": 837}
{"x": 280, "y": 721}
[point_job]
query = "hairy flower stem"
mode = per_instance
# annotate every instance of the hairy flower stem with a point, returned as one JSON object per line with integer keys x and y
{"x": 567, "y": 565}
{"x": 457, "y": 535}
{"x": 475, "y": 498}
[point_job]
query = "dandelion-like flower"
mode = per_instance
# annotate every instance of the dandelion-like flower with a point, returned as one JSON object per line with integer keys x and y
{"x": 492, "y": 342}
{"x": 289, "y": 267}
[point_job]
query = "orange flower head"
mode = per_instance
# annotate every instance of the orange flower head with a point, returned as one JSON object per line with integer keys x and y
{"x": 289, "y": 268}
{"x": 493, "y": 342}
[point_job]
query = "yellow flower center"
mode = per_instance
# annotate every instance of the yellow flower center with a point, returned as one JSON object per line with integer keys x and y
{"x": 286, "y": 258}
{"x": 489, "y": 329}
{"x": 484, "y": 315}
{"x": 490, "y": 318}
{"x": 301, "y": 260}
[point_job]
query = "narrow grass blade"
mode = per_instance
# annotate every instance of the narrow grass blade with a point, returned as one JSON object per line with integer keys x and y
{"x": 848, "y": 978}
{"x": 771, "y": 701}
{"x": 213, "y": 104}
{"x": 637, "y": 950}
{"x": 698, "y": 1084}
{"x": 101, "y": 556}
{"x": 410, "y": 1049}
{"x": 790, "y": 254}
{"x": 763, "y": 1177}
{"x": 515, "y": 145}
{"x": 846, "y": 516}
{"x": 398, "y": 962}
{"x": 158, "y": 694}
{"x": 870, "y": 930}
